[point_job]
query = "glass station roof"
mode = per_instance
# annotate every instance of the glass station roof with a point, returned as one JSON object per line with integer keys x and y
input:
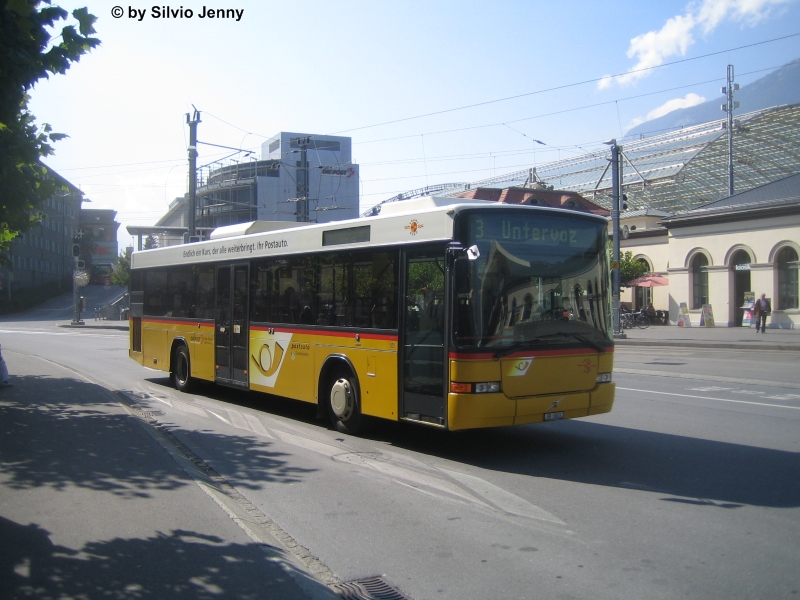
{"x": 682, "y": 169}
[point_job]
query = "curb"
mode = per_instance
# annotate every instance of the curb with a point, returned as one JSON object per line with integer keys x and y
{"x": 710, "y": 345}
{"x": 87, "y": 327}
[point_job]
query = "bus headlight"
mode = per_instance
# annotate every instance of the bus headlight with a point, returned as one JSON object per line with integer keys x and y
{"x": 603, "y": 377}
{"x": 487, "y": 387}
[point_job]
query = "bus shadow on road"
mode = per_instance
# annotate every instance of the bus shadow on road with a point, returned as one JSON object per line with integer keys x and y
{"x": 688, "y": 470}
{"x": 685, "y": 469}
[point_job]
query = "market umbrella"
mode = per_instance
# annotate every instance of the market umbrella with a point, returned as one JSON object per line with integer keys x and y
{"x": 649, "y": 280}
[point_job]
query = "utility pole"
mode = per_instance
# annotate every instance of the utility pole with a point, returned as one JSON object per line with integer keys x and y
{"x": 195, "y": 119}
{"x": 76, "y": 299}
{"x": 302, "y": 179}
{"x": 729, "y": 106}
{"x": 615, "y": 181}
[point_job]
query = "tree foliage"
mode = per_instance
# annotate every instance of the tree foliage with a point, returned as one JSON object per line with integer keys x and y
{"x": 122, "y": 272}
{"x": 630, "y": 268}
{"x": 29, "y": 51}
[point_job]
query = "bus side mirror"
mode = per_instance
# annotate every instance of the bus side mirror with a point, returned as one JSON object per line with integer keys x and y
{"x": 462, "y": 276}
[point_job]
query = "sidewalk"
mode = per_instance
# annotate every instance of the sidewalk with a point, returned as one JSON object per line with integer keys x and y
{"x": 96, "y": 501}
{"x": 99, "y": 324}
{"x": 742, "y": 338}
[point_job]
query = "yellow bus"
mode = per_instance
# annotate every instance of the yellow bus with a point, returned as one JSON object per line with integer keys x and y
{"x": 446, "y": 312}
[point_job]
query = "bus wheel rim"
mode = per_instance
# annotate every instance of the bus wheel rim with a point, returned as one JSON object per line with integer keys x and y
{"x": 342, "y": 399}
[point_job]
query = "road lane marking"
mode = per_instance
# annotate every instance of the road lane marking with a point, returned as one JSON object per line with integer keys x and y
{"x": 50, "y": 332}
{"x": 257, "y": 426}
{"x": 708, "y": 398}
{"x": 237, "y": 420}
{"x": 220, "y": 417}
{"x": 780, "y": 384}
{"x": 510, "y": 503}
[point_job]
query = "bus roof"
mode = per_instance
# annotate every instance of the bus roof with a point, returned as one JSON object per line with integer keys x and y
{"x": 411, "y": 221}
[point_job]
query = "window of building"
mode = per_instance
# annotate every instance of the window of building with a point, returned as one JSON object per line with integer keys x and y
{"x": 699, "y": 280}
{"x": 788, "y": 265}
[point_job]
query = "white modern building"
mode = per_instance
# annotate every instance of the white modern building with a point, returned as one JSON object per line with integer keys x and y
{"x": 300, "y": 177}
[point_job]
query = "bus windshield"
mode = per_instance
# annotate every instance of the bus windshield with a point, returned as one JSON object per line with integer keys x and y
{"x": 541, "y": 280}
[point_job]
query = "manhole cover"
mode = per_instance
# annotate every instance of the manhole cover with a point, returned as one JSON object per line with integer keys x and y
{"x": 372, "y": 588}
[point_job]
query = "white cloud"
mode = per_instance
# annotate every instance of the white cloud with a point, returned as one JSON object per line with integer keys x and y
{"x": 690, "y": 99}
{"x": 653, "y": 48}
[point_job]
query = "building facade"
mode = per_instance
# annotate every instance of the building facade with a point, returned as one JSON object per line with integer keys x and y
{"x": 99, "y": 235}
{"x": 714, "y": 254}
{"x": 43, "y": 255}
{"x": 301, "y": 177}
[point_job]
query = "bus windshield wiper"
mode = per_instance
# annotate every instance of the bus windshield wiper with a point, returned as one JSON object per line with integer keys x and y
{"x": 577, "y": 336}
{"x": 539, "y": 339}
{"x": 529, "y": 345}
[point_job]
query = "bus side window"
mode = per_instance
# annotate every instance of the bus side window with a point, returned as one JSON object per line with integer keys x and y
{"x": 203, "y": 298}
{"x": 155, "y": 285}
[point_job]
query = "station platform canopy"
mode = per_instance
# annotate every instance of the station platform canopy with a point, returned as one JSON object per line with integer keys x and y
{"x": 675, "y": 171}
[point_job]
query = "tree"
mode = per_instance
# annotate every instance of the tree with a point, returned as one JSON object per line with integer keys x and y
{"x": 630, "y": 268}
{"x": 28, "y": 53}
{"x": 150, "y": 242}
{"x": 122, "y": 272}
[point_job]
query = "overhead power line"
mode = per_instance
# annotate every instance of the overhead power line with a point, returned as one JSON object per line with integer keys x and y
{"x": 565, "y": 86}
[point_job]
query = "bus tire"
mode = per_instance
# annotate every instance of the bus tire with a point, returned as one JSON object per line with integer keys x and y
{"x": 181, "y": 369}
{"x": 343, "y": 403}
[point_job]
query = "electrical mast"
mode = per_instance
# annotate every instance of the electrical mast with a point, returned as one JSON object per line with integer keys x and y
{"x": 729, "y": 106}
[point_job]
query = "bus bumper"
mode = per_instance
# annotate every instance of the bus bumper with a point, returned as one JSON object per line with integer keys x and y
{"x": 468, "y": 411}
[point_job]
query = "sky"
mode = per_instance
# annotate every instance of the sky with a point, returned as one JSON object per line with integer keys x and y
{"x": 429, "y": 91}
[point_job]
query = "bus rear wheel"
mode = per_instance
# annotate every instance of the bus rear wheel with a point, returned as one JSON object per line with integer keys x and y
{"x": 181, "y": 371}
{"x": 344, "y": 407}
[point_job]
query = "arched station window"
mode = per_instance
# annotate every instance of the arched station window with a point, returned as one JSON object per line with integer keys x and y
{"x": 787, "y": 265}
{"x": 699, "y": 280}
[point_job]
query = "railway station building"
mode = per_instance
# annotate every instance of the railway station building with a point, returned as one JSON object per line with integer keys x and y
{"x": 680, "y": 219}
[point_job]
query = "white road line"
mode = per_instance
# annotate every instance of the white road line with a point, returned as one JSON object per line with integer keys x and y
{"x": 303, "y": 442}
{"x": 703, "y": 377}
{"x": 220, "y": 417}
{"x": 186, "y": 407}
{"x": 238, "y": 420}
{"x": 510, "y": 503}
{"x": 256, "y": 425}
{"x": 50, "y": 332}
{"x": 708, "y": 398}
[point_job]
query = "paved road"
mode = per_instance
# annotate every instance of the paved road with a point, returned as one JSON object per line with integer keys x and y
{"x": 688, "y": 488}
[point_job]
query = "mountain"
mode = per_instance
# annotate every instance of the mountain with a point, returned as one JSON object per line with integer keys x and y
{"x": 782, "y": 86}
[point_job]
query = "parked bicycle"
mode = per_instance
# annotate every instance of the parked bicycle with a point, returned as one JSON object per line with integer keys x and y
{"x": 629, "y": 320}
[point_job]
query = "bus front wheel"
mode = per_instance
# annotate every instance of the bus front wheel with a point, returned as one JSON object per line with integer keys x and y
{"x": 181, "y": 373}
{"x": 344, "y": 408}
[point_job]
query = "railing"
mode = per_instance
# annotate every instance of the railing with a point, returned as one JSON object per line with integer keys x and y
{"x": 116, "y": 310}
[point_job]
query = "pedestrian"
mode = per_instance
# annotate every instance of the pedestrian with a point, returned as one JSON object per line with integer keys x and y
{"x": 4, "y": 382}
{"x": 761, "y": 310}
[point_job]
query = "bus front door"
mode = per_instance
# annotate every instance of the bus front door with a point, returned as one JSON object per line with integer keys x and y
{"x": 423, "y": 338}
{"x": 231, "y": 325}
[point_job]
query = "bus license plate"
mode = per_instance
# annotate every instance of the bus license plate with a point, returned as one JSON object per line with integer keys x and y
{"x": 554, "y": 416}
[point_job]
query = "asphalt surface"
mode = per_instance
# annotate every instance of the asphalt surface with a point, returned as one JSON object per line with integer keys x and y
{"x": 149, "y": 506}
{"x": 97, "y": 499}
